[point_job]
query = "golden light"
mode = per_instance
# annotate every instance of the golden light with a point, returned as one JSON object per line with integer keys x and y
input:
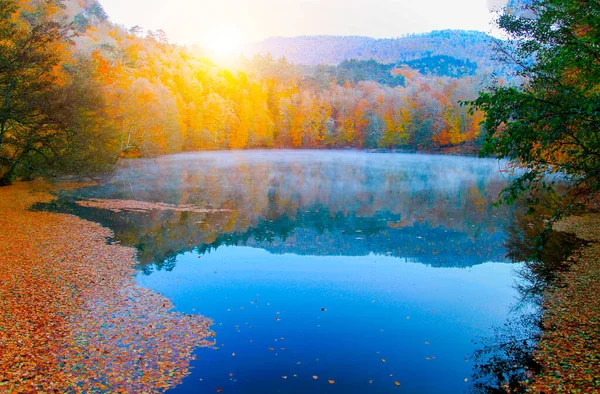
{"x": 223, "y": 41}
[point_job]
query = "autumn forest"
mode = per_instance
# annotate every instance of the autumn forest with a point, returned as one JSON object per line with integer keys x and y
{"x": 108, "y": 92}
{"x": 303, "y": 213}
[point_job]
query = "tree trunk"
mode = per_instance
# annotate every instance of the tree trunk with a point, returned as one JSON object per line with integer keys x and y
{"x": 7, "y": 178}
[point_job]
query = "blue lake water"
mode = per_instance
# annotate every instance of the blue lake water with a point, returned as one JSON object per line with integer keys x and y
{"x": 360, "y": 268}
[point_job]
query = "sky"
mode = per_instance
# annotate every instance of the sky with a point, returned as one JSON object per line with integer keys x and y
{"x": 187, "y": 22}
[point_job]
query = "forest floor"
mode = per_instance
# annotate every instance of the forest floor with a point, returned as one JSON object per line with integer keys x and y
{"x": 569, "y": 351}
{"x": 72, "y": 318}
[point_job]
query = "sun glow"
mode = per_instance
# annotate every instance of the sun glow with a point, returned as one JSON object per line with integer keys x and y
{"x": 223, "y": 41}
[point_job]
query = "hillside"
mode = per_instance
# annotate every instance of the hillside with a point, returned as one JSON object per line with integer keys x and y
{"x": 312, "y": 50}
{"x": 134, "y": 94}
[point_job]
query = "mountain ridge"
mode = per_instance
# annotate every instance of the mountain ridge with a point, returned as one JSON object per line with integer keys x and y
{"x": 469, "y": 45}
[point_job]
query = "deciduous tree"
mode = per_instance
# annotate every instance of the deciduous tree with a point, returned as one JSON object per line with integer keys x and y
{"x": 551, "y": 123}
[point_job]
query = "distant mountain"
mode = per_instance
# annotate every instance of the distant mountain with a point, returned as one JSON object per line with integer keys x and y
{"x": 447, "y": 66}
{"x": 472, "y": 46}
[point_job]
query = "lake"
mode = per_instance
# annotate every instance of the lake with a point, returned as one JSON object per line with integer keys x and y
{"x": 375, "y": 271}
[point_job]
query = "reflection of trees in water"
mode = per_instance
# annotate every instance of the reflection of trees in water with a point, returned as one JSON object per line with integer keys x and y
{"x": 339, "y": 235}
{"x": 543, "y": 252}
{"x": 444, "y": 191}
{"x": 160, "y": 237}
{"x": 505, "y": 359}
{"x": 436, "y": 210}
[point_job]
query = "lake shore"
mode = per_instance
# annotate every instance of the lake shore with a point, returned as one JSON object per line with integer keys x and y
{"x": 569, "y": 350}
{"x": 73, "y": 318}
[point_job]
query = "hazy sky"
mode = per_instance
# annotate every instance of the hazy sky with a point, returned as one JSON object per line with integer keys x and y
{"x": 188, "y": 21}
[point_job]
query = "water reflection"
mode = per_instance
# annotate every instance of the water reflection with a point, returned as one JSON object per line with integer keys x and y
{"x": 308, "y": 230}
{"x": 420, "y": 207}
{"x": 504, "y": 361}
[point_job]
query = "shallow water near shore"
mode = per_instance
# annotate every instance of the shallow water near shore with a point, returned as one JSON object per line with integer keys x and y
{"x": 323, "y": 271}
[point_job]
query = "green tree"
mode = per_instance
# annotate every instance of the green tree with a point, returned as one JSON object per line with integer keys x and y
{"x": 30, "y": 51}
{"x": 52, "y": 116}
{"x": 548, "y": 125}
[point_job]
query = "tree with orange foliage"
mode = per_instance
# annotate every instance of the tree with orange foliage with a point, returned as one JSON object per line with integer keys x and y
{"x": 396, "y": 118}
{"x": 36, "y": 132}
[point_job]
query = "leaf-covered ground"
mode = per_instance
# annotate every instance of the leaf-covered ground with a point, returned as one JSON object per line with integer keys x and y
{"x": 569, "y": 351}
{"x": 72, "y": 318}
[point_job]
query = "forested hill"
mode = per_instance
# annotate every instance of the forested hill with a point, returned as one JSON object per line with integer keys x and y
{"x": 312, "y": 50}
{"x": 109, "y": 92}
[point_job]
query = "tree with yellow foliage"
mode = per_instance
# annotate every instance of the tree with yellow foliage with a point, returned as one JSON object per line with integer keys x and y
{"x": 41, "y": 129}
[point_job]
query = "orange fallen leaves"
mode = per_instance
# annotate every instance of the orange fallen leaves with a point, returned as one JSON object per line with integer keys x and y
{"x": 72, "y": 317}
{"x": 570, "y": 344}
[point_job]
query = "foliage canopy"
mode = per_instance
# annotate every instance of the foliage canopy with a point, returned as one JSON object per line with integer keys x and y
{"x": 550, "y": 124}
{"x": 49, "y": 103}
{"x": 78, "y": 92}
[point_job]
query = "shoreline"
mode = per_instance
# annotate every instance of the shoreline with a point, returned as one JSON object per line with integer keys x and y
{"x": 445, "y": 151}
{"x": 569, "y": 349}
{"x": 73, "y": 318}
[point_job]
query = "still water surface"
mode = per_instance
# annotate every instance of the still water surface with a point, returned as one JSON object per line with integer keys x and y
{"x": 360, "y": 268}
